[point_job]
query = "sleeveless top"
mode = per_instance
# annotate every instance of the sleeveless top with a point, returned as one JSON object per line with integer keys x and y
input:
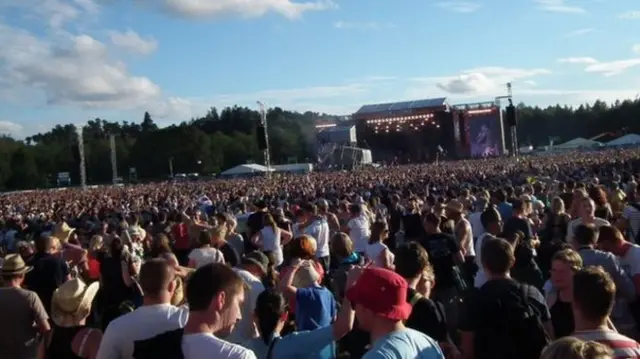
{"x": 60, "y": 345}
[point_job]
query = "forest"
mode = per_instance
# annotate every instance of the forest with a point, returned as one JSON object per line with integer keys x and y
{"x": 222, "y": 139}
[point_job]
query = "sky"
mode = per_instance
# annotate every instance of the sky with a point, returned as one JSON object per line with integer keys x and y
{"x": 68, "y": 61}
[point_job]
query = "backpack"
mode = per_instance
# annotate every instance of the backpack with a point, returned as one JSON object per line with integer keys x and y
{"x": 167, "y": 345}
{"x": 511, "y": 327}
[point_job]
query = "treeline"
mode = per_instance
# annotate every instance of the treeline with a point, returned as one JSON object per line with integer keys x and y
{"x": 220, "y": 140}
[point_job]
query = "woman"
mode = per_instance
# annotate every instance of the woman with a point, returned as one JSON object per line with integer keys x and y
{"x": 95, "y": 245}
{"x": 303, "y": 249}
{"x": 345, "y": 258}
{"x": 271, "y": 315}
{"x": 70, "y": 338}
{"x": 554, "y": 234}
{"x": 204, "y": 254}
{"x": 271, "y": 238}
{"x": 219, "y": 241}
{"x": 234, "y": 238}
{"x": 603, "y": 208}
{"x": 159, "y": 246}
{"x": 378, "y": 252}
{"x": 563, "y": 265}
{"x": 574, "y": 348}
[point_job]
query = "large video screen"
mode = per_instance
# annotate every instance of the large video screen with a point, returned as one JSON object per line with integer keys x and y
{"x": 485, "y": 137}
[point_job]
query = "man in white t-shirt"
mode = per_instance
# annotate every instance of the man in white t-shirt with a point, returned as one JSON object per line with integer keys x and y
{"x": 215, "y": 295}
{"x": 358, "y": 228}
{"x": 252, "y": 268}
{"x": 318, "y": 227}
{"x": 156, "y": 316}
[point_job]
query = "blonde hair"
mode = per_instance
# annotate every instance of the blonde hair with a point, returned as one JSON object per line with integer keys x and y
{"x": 96, "y": 243}
{"x": 569, "y": 257}
{"x": 574, "y": 348}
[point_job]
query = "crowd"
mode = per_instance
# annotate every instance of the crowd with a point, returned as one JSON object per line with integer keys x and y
{"x": 493, "y": 258}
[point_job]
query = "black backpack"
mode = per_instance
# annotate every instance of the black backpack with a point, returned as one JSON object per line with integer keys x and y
{"x": 511, "y": 327}
{"x": 167, "y": 345}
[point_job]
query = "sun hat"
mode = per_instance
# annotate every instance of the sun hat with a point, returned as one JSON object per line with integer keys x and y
{"x": 455, "y": 205}
{"x": 13, "y": 264}
{"x": 257, "y": 258}
{"x": 383, "y": 292}
{"x": 71, "y": 302}
{"x": 62, "y": 231}
{"x": 306, "y": 275}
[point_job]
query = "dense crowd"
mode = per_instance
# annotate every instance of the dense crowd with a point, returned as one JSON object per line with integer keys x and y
{"x": 496, "y": 258}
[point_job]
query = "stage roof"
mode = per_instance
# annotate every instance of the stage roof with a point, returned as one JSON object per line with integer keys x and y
{"x": 401, "y": 106}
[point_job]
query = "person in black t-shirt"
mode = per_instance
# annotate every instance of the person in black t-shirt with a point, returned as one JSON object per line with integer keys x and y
{"x": 255, "y": 223}
{"x": 49, "y": 270}
{"x": 427, "y": 316}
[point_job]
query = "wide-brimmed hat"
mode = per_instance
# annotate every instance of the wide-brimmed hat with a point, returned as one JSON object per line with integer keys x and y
{"x": 13, "y": 265}
{"x": 455, "y": 205}
{"x": 258, "y": 259}
{"x": 383, "y": 292}
{"x": 62, "y": 231}
{"x": 306, "y": 275}
{"x": 71, "y": 302}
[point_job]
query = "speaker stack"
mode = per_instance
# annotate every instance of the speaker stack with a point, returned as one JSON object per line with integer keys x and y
{"x": 512, "y": 116}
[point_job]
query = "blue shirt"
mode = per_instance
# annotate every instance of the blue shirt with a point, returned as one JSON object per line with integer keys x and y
{"x": 506, "y": 210}
{"x": 407, "y": 343}
{"x": 297, "y": 345}
{"x": 316, "y": 308}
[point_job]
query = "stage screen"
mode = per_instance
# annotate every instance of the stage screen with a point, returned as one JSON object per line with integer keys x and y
{"x": 485, "y": 137}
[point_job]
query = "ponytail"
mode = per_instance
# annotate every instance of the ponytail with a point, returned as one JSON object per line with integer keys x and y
{"x": 270, "y": 308}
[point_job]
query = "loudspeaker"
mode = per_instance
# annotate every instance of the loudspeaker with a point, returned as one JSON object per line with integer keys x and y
{"x": 512, "y": 116}
{"x": 261, "y": 137}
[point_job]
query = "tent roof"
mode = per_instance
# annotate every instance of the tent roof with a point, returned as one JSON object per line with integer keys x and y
{"x": 577, "y": 142}
{"x": 628, "y": 139}
{"x": 245, "y": 169}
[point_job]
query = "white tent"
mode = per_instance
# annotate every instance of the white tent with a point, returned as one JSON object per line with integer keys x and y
{"x": 250, "y": 168}
{"x": 577, "y": 143}
{"x": 294, "y": 168}
{"x": 629, "y": 139}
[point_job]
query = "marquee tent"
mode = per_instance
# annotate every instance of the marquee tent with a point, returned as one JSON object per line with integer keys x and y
{"x": 247, "y": 169}
{"x": 629, "y": 139}
{"x": 577, "y": 143}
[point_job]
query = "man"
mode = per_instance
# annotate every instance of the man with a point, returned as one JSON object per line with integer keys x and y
{"x": 20, "y": 309}
{"x": 156, "y": 316}
{"x": 427, "y": 316}
{"x": 254, "y": 224}
{"x": 594, "y": 295}
{"x": 215, "y": 294}
{"x": 499, "y": 199}
{"x": 585, "y": 240}
{"x": 332, "y": 219}
{"x": 380, "y": 299}
{"x": 630, "y": 221}
{"x": 492, "y": 226}
{"x": 464, "y": 235}
{"x": 317, "y": 226}
{"x": 504, "y": 319}
{"x": 253, "y": 268}
{"x": 49, "y": 269}
{"x": 358, "y": 228}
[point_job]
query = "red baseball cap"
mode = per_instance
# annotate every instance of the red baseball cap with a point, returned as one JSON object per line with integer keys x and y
{"x": 383, "y": 292}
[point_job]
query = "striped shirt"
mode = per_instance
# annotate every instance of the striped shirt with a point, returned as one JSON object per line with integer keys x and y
{"x": 623, "y": 347}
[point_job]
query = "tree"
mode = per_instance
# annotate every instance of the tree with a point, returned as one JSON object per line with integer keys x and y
{"x": 224, "y": 138}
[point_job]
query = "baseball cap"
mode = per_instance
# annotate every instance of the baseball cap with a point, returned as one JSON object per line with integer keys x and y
{"x": 257, "y": 258}
{"x": 383, "y": 292}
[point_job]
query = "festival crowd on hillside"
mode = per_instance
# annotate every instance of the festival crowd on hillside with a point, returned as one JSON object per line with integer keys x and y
{"x": 497, "y": 258}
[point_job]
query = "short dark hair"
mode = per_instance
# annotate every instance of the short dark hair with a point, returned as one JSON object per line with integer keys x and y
{"x": 497, "y": 255}
{"x": 489, "y": 216}
{"x": 433, "y": 219}
{"x": 586, "y": 234}
{"x": 594, "y": 293}
{"x": 155, "y": 276}
{"x": 210, "y": 280}
{"x": 411, "y": 260}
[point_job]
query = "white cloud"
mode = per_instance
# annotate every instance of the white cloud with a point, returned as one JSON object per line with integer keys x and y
{"x": 579, "y": 32}
{"x": 610, "y": 68}
{"x": 578, "y": 60}
{"x": 459, "y": 6}
{"x": 630, "y": 15}
{"x": 255, "y": 8}
{"x": 636, "y": 48}
{"x": 9, "y": 128}
{"x": 482, "y": 80}
{"x": 56, "y": 13}
{"x": 561, "y": 6}
{"x": 530, "y": 83}
{"x": 370, "y": 25}
{"x": 132, "y": 42}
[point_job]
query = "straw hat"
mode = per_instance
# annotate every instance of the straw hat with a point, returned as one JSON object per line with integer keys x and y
{"x": 455, "y": 206}
{"x": 14, "y": 265}
{"x": 62, "y": 231}
{"x": 71, "y": 302}
{"x": 306, "y": 275}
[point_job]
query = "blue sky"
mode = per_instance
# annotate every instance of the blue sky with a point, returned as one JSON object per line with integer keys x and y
{"x": 66, "y": 61}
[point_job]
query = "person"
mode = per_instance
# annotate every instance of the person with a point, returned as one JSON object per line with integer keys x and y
{"x": 344, "y": 259}
{"x": 156, "y": 316}
{"x": 252, "y": 269}
{"x": 594, "y": 294}
{"x": 271, "y": 315}
{"x": 20, "y": 309}
{"x": 204, "y": 254}
{"x": 574, "y": 348}
{"x": 358, "y": 228}
{"x": 427, "y": 316}
{"x": 563, "y": 265}
{"x": 49, "y": 269}
{"x": 215, "y": 294}
{"x": 70, "y": 337}
{"x": 377, "y": 251}
{"x": 504, "y": 319}
{"x": 380, "y": 299}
